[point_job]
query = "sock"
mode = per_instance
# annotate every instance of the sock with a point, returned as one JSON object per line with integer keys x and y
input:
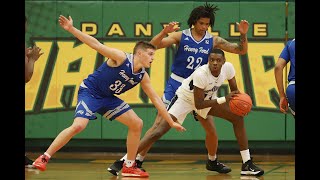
{"x": 124, "y": 158}
{"x": 129, "y": 163}
{"x": 48, "y": 155}
{"x": 139, "y": 157}
{"x": 245, "y": 154}
{"x": 212, "y": 158}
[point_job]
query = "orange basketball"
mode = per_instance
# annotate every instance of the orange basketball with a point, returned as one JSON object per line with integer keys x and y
{"x": 241, "y": 104}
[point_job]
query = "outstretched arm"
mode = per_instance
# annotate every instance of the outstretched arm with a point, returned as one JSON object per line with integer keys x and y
{"x": 278, "y": 73}
{"x": 112, "y": 53}
{"x": 31, "y": 56}
{"x": 155, "y": 99}
{"x": 161, "y": 41}
{"x": 237, "y": 48}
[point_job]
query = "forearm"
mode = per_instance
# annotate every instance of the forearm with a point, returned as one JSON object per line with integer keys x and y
{"x": 243, "y": 44}
{"x": 279, "y": 81}
{"x": 85, "y": 38}
{"x": 156, "y": 40}
{"x": 29, "y": 66}
{"x": 209, "y": 103}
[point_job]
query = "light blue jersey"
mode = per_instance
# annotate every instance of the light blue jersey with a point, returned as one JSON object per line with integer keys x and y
{"x": 97, "y": 92}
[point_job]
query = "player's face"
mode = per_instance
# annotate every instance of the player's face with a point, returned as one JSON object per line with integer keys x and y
{"x": 202, "y": 25}
{"x": 147, "y": 57}
{"x": 215, "y": 63}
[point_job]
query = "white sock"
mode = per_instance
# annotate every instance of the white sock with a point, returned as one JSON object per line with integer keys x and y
{"x": 245, "y": 154}
{"x": 124, "y": 157}
{"x": 129, "y": 163}
{"x": 140, "y": 157}
{"x": 48, "y": 155}
{"x": 212, "y": 158}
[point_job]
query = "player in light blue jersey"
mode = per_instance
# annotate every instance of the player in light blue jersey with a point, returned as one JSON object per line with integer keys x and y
{"x": 193, "y": 48}
{"x": 121, "y": 72}
{"x": 287, "y": 99}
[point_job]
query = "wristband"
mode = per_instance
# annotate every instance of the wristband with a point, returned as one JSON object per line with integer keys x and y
{"x": 221, "y": 100}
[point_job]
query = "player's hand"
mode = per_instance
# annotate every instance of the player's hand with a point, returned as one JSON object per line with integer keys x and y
{"x": 231, "y": 95}
{"x": 34, "y": 53}
{"x": 65, "y": 23}
{"x": 178, "y": 127}
{"x": 172, "y": 27}
{"x": 283, "y": 104}
{"x": 243, "y": 26}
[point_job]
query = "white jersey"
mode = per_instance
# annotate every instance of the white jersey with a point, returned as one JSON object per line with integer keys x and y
{"x": 203, "y": 79}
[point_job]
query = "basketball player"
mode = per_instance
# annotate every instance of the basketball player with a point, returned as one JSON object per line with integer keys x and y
{"x": 121, "y": 72}
{"x": 287, "y": 100}
{"x": 31, "y": 56}
{"x": 194, "y": 45}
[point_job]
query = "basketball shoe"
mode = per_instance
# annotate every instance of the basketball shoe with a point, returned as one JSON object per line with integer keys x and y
{"x": 133, "y": 171}
{"x": 28, "y": 162}
{"x": 250, "y": 169}
{"x": 116, "y": 167}
{"x": 41, "y": 162}
{"x": 217, "y": 166}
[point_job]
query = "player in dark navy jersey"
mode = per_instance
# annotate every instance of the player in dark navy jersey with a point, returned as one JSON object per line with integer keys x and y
{"x": 194, "y": 46}
{"x": 287, "y": 99}
{"x": 120, "y": 73}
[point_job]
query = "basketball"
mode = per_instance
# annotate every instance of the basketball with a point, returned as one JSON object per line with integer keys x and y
{"x": 241, "y": 104}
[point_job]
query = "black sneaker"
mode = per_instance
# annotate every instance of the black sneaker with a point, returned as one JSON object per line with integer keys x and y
{"x": 250, "y": 169}
{"x": 116, "y": 167}
{"x": 217, "y": 166}
{"x": 28, "y": 163}
{"x": 139, "y": 165}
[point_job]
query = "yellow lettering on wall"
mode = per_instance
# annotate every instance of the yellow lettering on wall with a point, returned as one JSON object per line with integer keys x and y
{"x": 234, "y": 59}
{"x": 141, "y": 29}
{"x": 89, "y": 28}
{"x": 215, "y": 33}
{"x": 61, "y": 77}
{"x": 32, "y": 87}
{"x": 233, "y": 32}
{"x": 115, "y": 30}
{"x": 157, "y": 71}
{"x": 263, "y": 81}
{"x": 260, "y": 30}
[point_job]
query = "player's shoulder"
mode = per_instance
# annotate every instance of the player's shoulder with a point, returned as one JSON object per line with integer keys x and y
{"x": 228, "y": 66}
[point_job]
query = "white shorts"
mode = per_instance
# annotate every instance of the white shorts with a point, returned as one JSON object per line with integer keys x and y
{"x": 181, "y": 107}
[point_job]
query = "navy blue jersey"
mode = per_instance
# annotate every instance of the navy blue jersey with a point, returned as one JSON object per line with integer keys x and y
{"x": 106, "y": 80}
{"x": 288, "y": 54}
{"x": 191, "y": 54}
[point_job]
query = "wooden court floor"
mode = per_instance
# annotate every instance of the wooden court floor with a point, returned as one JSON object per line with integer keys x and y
{"x": 92, "y": 166}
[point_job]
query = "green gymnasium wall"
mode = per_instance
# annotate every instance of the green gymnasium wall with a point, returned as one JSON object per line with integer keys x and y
{"x": 51, "y": 93}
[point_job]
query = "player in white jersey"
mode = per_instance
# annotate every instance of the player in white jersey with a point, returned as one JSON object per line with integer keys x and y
{"x": 199, "y": 93}
{"x": 194, "y": 46}
{"x": 120, "y": 73}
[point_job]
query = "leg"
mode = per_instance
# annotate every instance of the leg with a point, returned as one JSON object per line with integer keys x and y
{"x": 62, "y": 139}
{"x": 223, "y": 111}
{"x": 158, "y": 129}
{"x": 212, "y": 145}
{"x": 134, "y": 124}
